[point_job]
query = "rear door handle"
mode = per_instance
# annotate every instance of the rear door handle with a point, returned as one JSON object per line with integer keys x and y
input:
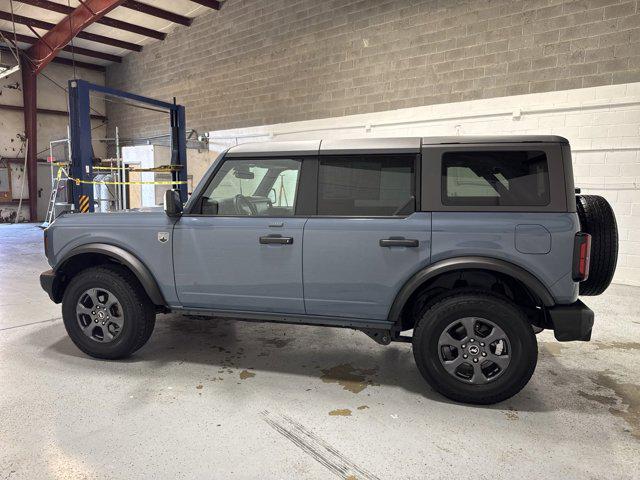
{"x": 399, "y": 242}
{"x": 275, "y": 239}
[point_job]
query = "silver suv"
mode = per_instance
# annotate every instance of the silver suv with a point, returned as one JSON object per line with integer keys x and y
{"x": 465, "y": 247}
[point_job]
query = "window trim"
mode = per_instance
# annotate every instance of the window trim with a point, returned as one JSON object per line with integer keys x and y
{"x": 431, "y": 192}
{"x": 301, "y": 158}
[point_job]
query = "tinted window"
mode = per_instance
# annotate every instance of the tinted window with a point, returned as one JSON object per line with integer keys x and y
{"x": 366, "y": 185}
{"x": 261, "y": 187}
{"x": 500, "y": 178}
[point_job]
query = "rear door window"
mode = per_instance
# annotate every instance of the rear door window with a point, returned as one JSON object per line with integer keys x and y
{"x": 495, "y": 178}
{"x": 366, "y": 185}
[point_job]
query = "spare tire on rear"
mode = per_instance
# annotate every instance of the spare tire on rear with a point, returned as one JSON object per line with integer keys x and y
{"x": 598, "y": 220}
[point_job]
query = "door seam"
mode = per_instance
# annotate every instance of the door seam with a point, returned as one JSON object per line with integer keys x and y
{"x": 304, "y": 300}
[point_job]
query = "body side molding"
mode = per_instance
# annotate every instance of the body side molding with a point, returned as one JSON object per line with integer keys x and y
{"x": 467, "y": 263}
{"x": 129, "y": 260}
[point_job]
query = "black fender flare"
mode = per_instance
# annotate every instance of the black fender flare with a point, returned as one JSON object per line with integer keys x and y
{"x": 467, "y": 263}
{"x": 124, "y": 257}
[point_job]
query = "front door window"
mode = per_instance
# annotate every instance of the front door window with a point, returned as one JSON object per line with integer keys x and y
{"x": 260, "y": 187}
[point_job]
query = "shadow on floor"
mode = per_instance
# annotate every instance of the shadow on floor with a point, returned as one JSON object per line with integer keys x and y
{"x": 315, "y": 352}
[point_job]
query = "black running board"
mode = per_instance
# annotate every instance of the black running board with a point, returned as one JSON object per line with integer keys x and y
{"x": 378, "y": 330}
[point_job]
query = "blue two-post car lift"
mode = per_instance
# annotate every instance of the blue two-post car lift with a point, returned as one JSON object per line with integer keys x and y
{"x": 80, "y": 132}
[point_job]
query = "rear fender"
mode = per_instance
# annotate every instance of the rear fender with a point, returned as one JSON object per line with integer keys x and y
{"x": 467, "y": 263}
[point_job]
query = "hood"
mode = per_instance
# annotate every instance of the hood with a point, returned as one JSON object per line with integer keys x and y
{"x": 137, "y": 217}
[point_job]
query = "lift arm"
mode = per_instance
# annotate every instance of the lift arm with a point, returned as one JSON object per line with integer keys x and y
{"x": 88, "y": 12}
{"x": 82, "y": 151}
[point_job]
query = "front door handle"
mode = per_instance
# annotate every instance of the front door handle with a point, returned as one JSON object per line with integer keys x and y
{"x": 399, "y": 242}
{"x": 275, "y": 239}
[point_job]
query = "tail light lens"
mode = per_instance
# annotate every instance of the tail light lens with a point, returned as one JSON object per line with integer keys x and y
{"x": 581, "y": 256}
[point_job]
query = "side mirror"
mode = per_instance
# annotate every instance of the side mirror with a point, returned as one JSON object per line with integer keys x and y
{"x": 172, "y": 203}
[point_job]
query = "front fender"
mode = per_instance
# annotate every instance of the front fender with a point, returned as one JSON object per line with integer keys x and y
{"x": 124, "y": 257}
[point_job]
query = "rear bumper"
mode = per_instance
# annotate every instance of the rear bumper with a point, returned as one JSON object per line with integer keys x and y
{"x": 572, "y": 322}
{"x": 50, "y": 283}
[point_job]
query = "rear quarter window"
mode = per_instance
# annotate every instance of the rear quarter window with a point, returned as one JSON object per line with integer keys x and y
{"x": 495, "y": 178}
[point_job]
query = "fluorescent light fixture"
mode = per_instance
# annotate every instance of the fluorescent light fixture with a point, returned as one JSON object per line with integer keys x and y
{"x": 6, "y": 70}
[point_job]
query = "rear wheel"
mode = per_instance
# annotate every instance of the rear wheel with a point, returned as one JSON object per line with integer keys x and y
{"x": 106, "y": 313}
{"x": 475, "y": 347}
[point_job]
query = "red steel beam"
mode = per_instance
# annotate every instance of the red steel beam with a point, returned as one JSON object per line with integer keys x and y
{"x": 69, "y": 48}
{"x": 47, "y": 47}
{"x": 29, "y": 101}
{"x": 32, "y": 22}
{"x": 157, "y": 12}
{"x": 111, "y": 22}
{"x": 209, "y": 3}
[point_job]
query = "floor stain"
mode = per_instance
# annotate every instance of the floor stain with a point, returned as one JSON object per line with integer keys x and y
{"x": 340, "y": 412}
{"x": 628, "y": 394}
{"x": 512, "y": 414}
{"x": 350, "y": 378}
{"x": 617, "y": 345}
{"x": 601, "y": 399}
{"x": 276, "y": 342}
{"x": 363, "y": 407}
{"x": 552, "y": 348}
{"x": 199, "y": 387}
{"x": 246, "y": 374}
{"x": 220, "y": 349}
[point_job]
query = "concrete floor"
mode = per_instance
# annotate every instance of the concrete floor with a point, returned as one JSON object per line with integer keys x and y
{"x": 225, "y": 399}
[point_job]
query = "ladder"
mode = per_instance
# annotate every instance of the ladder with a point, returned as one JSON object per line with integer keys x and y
{"x": 51, "y": 208}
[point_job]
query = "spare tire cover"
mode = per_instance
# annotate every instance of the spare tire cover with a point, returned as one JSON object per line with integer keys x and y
{"x": 598, "y": 220}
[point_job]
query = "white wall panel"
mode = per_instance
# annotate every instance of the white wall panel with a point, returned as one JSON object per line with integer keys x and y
{"x": 602, "y": 124}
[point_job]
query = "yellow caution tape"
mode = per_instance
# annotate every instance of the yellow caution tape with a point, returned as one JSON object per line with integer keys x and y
{"x": 163, "y": 168}
{"x": 93, "y": 182}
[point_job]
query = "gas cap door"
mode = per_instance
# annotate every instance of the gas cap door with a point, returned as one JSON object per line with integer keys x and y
{"x": 534, "y": 239}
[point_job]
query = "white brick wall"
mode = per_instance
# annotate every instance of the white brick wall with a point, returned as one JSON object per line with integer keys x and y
{"x": 602, "y": 124}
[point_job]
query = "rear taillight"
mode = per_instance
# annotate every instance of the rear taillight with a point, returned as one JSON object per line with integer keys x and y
{"x": 581, "y": 256}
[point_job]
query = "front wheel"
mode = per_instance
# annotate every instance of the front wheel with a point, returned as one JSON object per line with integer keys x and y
{"x": 106, "y": 312}
{"x": 475, "y": 347}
